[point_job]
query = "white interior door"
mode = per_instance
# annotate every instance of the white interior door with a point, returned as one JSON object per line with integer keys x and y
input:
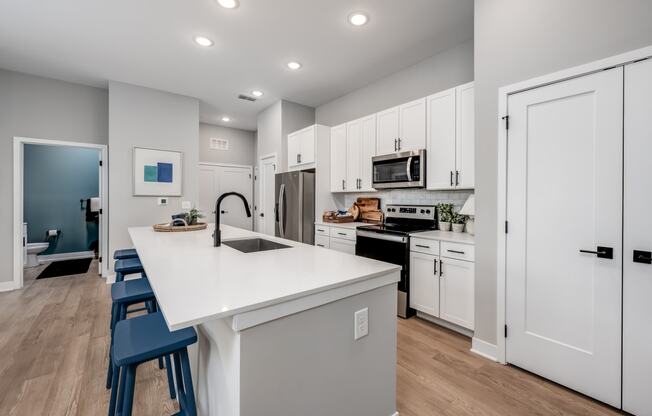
{"x": 232, "y": 210}
{"x": 208, "y": 191}
{"x": 267, "y": 175}
{"x": 637, "y": 227}
{"x": 564, "y": 188}
{"x": 441, "y": 140}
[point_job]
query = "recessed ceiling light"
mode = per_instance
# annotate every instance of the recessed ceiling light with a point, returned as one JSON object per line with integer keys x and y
{"x": 257, "y": 93}
{"x": 358, "y": 19}
{"x": 229, "y": 4}
{"x": 226, "y": 119}
{"x": 203, "y": 41}
{"x": 294, "y": 65}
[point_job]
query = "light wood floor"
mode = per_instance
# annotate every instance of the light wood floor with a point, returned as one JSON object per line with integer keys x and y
{"x": 53, "y": 347}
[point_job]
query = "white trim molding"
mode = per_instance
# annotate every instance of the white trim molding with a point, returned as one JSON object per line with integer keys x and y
{"x": 503, "y": 94}
{"x": 7, "y": 286}
{"x": 484, "y": 349}
{"x": 65, "y": 256}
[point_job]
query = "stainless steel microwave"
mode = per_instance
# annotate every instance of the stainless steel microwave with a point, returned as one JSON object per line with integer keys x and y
{"x": 399, "y": 170}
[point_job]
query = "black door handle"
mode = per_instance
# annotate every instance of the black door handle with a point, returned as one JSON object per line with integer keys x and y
{"x": 262, "y": 214}
{"x": 644, "y": 257}
{"x": 601, "y": 252}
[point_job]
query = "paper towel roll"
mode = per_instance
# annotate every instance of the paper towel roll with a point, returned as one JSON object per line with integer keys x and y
{"x": 53, "y": 233}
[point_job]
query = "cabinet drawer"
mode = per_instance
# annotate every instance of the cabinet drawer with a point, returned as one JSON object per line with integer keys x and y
{"x": 344, "y": 233}
{"x": 322, "y": 230}
{"x": 340, "y": 244}
{"x": 457, "y": 251}
{"x": 425, "y": 246}
{"x": 322, "y": 241}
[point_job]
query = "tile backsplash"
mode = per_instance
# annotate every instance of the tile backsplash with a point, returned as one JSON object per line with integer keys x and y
{"x": 412, "y": 196}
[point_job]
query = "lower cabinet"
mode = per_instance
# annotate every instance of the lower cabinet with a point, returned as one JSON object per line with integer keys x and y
{"x": 424, "y": 283}
{"x": 336, "y": 238}
{"x": 322, "y": 241}
{"x": 456, "y": 292}
{"x": 345, "y": 246}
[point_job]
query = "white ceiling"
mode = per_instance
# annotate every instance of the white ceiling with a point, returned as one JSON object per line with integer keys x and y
{"x": 150, "y": 43}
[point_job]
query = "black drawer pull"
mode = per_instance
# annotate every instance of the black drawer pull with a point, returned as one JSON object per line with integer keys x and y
{"x": 341, "y": 233}
{"x": 455, "y": 251}
{"x": 422, "y": 246}
{"x": 644, "y": 257}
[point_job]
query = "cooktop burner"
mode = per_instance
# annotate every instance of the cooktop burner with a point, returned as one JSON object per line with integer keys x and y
{"x": 396, "y": 228}
{"x": 405, "y": 219}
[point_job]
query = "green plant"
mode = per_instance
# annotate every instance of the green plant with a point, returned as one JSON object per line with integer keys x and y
{"x": 445, "y": 212}
{"x": 458, "y": 218}
{"x": 192, "y": 216}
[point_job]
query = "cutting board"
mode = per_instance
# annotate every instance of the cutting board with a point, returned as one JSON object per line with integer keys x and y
{"x": 370, "y": 210}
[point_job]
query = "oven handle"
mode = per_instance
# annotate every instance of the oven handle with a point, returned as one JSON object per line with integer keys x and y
{"x": 409, "y": 171}
{"x": 381, "y": 236}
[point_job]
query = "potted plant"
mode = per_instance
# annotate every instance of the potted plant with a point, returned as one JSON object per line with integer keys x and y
{"x": 192, "y": 216}
{"x": 458, "y": 221}
{"x": 445, "y": 216}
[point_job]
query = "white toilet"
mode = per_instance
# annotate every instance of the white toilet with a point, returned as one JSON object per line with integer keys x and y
{"x": 32, "y": 250}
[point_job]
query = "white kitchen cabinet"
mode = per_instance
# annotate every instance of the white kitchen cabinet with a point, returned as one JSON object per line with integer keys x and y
{"x": 338, "y": 158}
{"x": 457, "y": 288}
{"x": 451, "y": 139}
{"x": 340, "y": 244}
{"x": 424, "y": 283}
{"x": 336, "y": 236}
{"x": 322, "y": 241}
{"x": 412, "y": 122}
{"x": 361, "y": 147}
{"x": 387, "y": 130}
{"x": 301, "y": 146}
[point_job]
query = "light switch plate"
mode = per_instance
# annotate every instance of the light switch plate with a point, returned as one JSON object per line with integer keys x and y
{"x": 162, "y": 201}
{"x": 186, "y": 205}
{"x": 361, "y": 319}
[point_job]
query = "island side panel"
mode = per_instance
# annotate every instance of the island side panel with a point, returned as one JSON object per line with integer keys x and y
{"x": 309, "y": 363}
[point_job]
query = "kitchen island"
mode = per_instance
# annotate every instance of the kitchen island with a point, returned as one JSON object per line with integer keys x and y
{"x": 276, "y": 328}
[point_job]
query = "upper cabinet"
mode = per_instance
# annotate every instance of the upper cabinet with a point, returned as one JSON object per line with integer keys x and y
{"x": 402, "y": 128}
{"x": 338, "y": 158}
{"x": 301, "y": 147}
{"x": 450, "y": 133}
{"x": 352, "y": 146}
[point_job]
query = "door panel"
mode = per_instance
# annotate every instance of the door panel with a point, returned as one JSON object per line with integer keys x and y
{"x": 564, "y": 187}
{"x": 413, "y": 125}
{"x": 338, "y": 158}
{"x": 424, "y": 283}
{"x": 208, "y": 191}
{"x": 441, "y": 140}
{"x": 368, "y": 151}
{"x": 353, "y": 154}
{"x": 457, "y": 286}
{"x": 637, "y": 281}
{"x": 387, "y": 131}
{"x": 465, "y": 136}
{"x": 232, "y": 209}
{"x": 307, "y": 145}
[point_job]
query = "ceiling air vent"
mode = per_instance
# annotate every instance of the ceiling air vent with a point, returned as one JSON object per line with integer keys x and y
{"x": 246, "y": 97}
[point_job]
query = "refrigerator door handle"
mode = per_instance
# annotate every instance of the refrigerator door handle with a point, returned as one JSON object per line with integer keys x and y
{"x": 281, "y": 210}
{"x": 301, "y": 191}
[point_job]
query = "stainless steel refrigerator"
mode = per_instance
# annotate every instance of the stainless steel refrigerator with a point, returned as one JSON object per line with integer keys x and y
{"x": 295, "y": 206}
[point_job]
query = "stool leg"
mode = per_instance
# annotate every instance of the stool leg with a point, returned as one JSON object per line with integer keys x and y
{"x": 114, "y": 390}
{"x": 109, "y": 370}
{"x": 168, "y": 368}
{"x": 130, "y": 381}
{"x": 181, "y": 392}
{"x": 189, "y": 391}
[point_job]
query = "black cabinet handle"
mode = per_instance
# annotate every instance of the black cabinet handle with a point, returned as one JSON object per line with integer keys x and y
{"x": 451, "y": 178}
{"x": 644, "y": 257}
{"x": 457, "y": 177}
{"x": 441, "y": 268}
{"x": 395, "y": 147}
{"x": 422, "y": 246}
{"x": 601, "y": 252}
{"x": 435, "y": 267}
{"x": 455, "y": 251}
{"x": 399, "y": 143}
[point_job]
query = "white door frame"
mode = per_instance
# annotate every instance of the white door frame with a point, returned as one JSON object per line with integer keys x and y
{"x": 19, "y": 145}
{"x": 260, "y": 203}
{"x": 503, "y": 94}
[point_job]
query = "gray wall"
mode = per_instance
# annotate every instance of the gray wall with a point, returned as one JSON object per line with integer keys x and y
{"x": 439, "y": 72}
{"x": 242, "y": 145}
{"x": 55, "y": 179}
{"x": 148, "y": 118}
{"x": 294, "y": 117}
{"x": 48, "y": 109}
{"x": 516, "y": 40}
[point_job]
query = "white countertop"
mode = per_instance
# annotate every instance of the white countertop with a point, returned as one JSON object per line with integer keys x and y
{"x": 464, "y": 238}
{"x": 353, "y": 225}
{"x": 195, "y": 282}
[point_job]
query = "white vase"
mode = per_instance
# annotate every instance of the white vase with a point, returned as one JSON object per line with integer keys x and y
{"x": 458, "y": 228}
{"x": 470, "y": 227}
{"x": 444, "y": 226}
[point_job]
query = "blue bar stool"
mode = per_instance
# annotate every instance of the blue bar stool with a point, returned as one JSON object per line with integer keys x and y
{"x": 145, "y": 338}
{"x": 123, "y": 295}
{"x": 129, "y": 253}
{"x": 127, "y": 266}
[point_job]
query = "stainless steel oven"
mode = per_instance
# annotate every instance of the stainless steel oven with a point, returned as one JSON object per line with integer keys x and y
{"x": 400, "y": 170}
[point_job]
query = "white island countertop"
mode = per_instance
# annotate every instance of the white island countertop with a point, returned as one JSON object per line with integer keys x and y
{"x": 195, "y": 282}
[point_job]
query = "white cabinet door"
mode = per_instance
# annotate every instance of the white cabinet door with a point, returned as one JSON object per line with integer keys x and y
{"x": 368, "y": 151}
{"x": 322, "y": 241}
{"x": 412, "y": 122}
{"x": 294, "y": 149}
{"x": 307, "y": 140}
{"x": 345, "y": 246}
{"x": 441, "y": 140}
{"x": 637, "y": 279}
{"x": 564, "y": 194}
{"x": 353, "y": 155}
{"x": 424, "y": 283}
{"x": 387, "y": 131}
{"x": 465, "y": 137}
{"x": 457, "y": 286}
{"x": 338, "y": 158}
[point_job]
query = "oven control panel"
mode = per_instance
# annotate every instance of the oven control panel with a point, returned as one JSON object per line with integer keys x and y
{"x": 418, "y": 212}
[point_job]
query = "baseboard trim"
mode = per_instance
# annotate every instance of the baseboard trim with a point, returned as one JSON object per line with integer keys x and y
{"x": 448, "y": 325}
{"x": 66, "y": 256}
{"x": 7, "y": 286}
{"x": 484, "y": 349}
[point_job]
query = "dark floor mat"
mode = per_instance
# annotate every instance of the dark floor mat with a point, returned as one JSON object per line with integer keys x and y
{"x": 65, "y": 268}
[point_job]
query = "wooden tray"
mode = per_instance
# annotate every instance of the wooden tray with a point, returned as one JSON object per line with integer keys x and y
{"x": 167, "y": 228}
{"x": 337, "y": 220}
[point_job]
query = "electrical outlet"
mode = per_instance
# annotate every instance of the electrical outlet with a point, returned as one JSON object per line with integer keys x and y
{"x": 361, "y": 319}
{"x": 162, "y": 201}
{"x": 186, "y": 205}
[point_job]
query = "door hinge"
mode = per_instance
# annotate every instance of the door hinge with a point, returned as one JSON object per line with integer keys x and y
{"x": 506, "y": 227}
{"x": 505, "y": 331}
{"x": 506, "y": 118}
{"x": 100, "y": 163}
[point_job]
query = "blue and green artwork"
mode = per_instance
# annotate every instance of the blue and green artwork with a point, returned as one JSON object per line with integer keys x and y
{"x": 162, "y": 173}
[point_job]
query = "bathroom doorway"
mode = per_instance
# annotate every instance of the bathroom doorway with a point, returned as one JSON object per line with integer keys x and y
{"x": 60, "y": 225}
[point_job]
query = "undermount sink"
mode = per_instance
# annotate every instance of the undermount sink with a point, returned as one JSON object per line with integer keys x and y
{"x": 252, "y": 245}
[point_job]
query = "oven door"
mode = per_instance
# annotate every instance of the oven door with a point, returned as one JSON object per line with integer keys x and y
{"x": 399, "y": 170}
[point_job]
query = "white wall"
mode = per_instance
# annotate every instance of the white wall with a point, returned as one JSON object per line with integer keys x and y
{"x": 437, "y": 73}
{"x": 148, "y": 118}
{"x": 242, "y": 145}
{"x": 47, "y": 109}
{"x": 516, "y": 40}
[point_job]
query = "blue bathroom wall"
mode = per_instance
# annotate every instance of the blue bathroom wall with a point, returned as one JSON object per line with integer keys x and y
{"x": 55, "y": 179}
